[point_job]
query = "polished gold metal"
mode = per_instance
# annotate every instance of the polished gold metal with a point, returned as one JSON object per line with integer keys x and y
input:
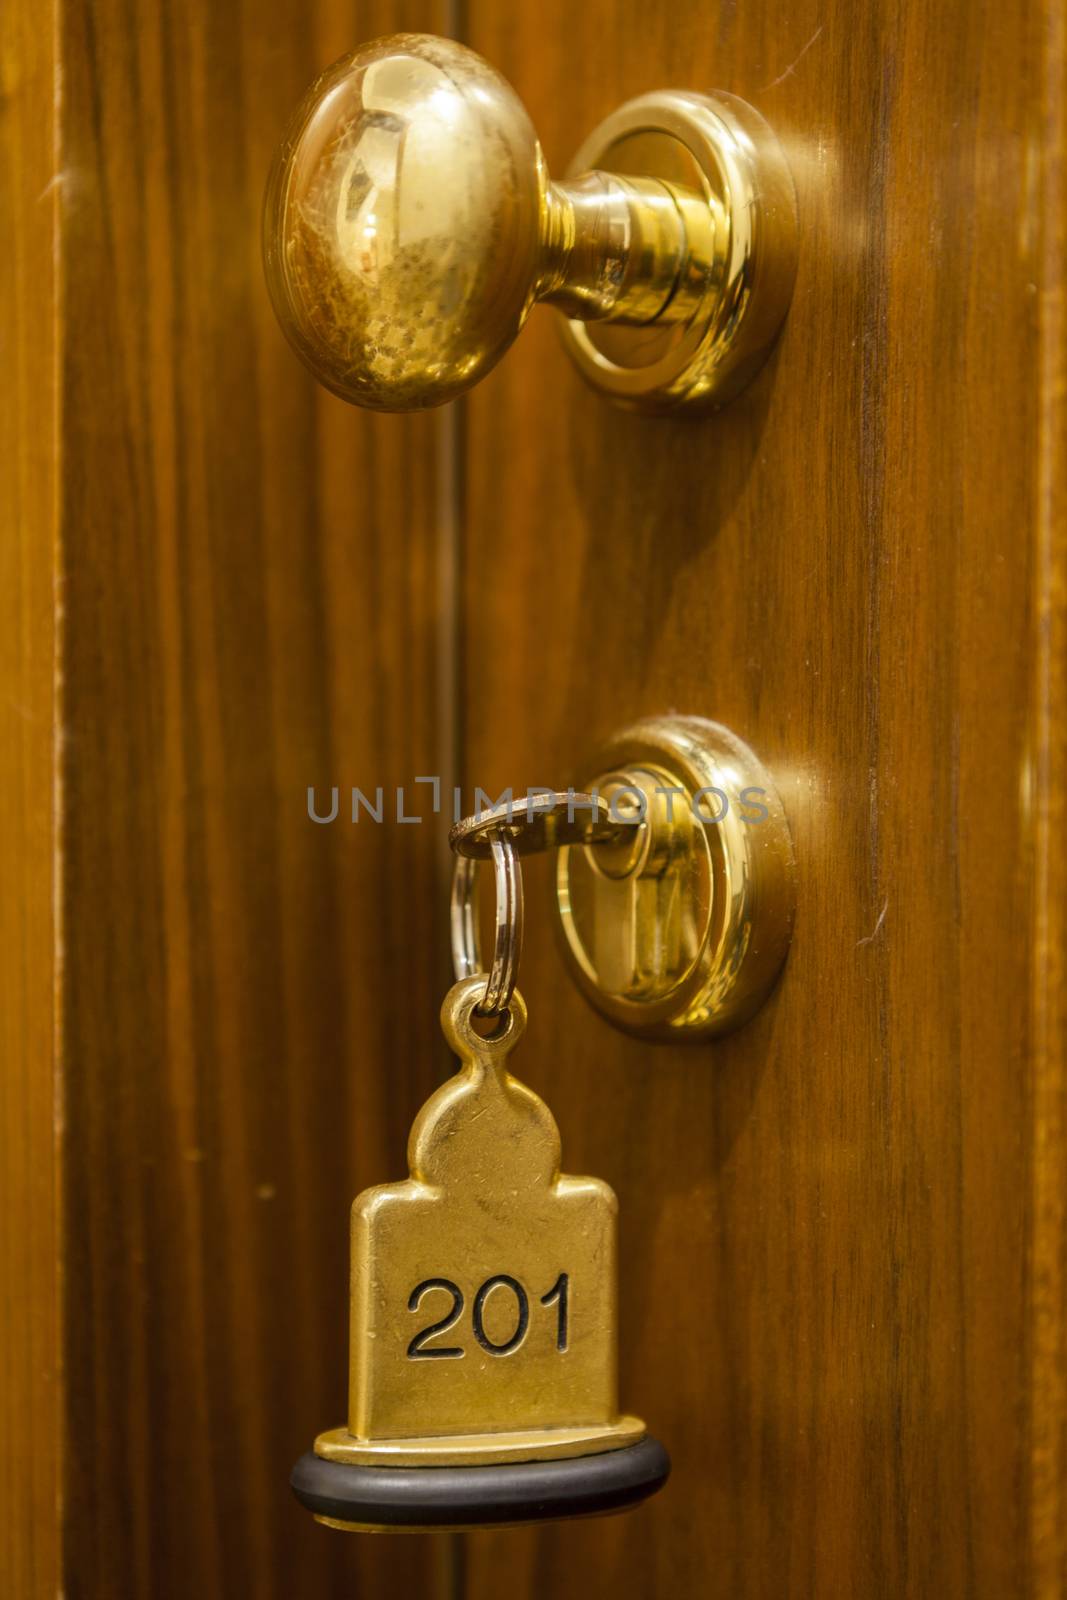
{"x": 483, "y": 1302}
{"x": 681, "y": 931}
{"x": 725, "y": 165}
{"x": 411, "y": 225}
{"x": 480, "y": 1449}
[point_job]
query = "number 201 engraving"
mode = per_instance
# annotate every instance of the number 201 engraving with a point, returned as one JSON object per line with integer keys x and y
{"x": 416, "y": 1348}
{"x": 420, "y": 1350}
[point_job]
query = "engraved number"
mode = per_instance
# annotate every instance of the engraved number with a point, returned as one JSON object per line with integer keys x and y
{"x": 501, "y": 1281}
{"x": 417, "y": 1348}
{"x": 557, "y": 1296}
{"x": 558, "y": 1293}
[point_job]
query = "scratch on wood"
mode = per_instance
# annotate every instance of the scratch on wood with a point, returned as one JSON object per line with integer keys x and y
{"x": 793, "y": 65}
{"x": 874, "y": 931}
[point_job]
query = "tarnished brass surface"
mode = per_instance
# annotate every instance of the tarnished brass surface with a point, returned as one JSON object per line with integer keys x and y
{"x": 682, "y": 931}
{"x": 410, "y": 225}
{"x": 483, "y": 1301}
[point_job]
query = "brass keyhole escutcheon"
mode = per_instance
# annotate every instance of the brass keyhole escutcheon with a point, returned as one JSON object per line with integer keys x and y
{"x": 680, "y": 931}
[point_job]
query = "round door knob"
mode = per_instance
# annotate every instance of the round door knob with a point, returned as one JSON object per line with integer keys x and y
{"x": 411, "y": 225}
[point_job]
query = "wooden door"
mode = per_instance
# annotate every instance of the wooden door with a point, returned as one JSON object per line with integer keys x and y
{"x": 841, "y": 1227}
{"x": 843, "y": 1296}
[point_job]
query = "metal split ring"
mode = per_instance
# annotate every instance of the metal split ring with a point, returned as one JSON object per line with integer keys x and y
{"x": 544, "y": 820}
{"x": 507, "y": 945}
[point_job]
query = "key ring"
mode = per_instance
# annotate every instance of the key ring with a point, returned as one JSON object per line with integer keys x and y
{"x": 503, "y": 834}
{"x": 507, "y": 945}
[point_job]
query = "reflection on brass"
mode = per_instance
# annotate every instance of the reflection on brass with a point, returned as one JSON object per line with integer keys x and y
{"x": 479, "y": 1449}
{"x": 411, "y": 225}
{"x": 718, "y": 153}
{"x": 483, "y": 1287}
{"x": 682, "y": 931}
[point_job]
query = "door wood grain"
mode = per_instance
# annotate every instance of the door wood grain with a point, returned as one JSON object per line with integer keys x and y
{"x": 842, "y": 1240}
{"x": 843, "y": 1296}
{"x": 245, "y": 588}
{"x": 29, "y": 1231}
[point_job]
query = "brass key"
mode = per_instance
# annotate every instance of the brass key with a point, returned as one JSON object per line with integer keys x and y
{"x": 483, "y": 1299}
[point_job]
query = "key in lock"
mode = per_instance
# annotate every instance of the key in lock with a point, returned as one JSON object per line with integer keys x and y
{"x": 483, "y": 1310}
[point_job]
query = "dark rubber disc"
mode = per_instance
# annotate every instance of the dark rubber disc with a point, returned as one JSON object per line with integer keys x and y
{"x": 457, "y": 1497}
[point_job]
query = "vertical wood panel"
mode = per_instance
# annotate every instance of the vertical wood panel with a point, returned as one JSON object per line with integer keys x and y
{"x": 842, "y": 1230}
{"x": 827, "y": 1306}
{"x": 250, "y": 606}
{"x": 29, "y": 1394}
{"x": 1048, "y": 1279}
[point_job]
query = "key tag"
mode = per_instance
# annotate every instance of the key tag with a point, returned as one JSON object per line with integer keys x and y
{"x": 483, "y": 1367}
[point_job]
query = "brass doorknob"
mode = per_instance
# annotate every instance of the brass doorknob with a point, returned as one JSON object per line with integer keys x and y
{"x": 411, "y": 225}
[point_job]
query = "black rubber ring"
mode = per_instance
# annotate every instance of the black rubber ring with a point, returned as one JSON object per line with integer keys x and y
{"x": 449, "y": 1497}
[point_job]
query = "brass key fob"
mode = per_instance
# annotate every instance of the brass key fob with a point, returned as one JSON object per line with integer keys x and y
{"x": 483, "y": 1321}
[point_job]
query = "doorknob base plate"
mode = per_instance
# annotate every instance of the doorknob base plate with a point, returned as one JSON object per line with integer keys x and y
{"x": 720, "y": 146}
{"x": 681, "y": 931}
{"x": 431, "y": 1499}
